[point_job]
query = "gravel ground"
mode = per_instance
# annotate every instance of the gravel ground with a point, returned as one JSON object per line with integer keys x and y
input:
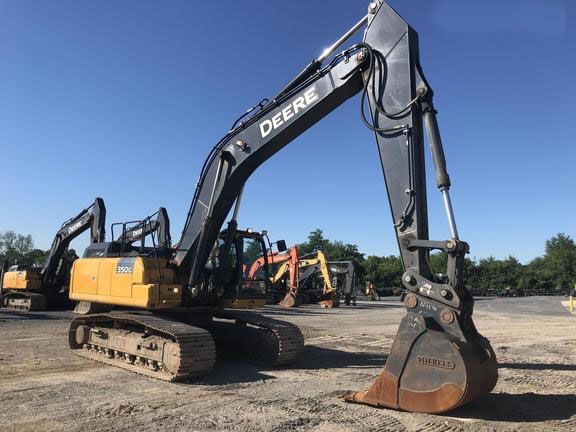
{"x": 44, "y": 387}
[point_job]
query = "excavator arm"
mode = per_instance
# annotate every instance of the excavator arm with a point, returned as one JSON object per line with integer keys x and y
{"x": 280, "y": 272}
{"x": 385, "y": 69}
{"x": 158, "y": 223}
{"x": 272, "y": 258}
{"x": 328, "y": 297}
{"x": 438, "y": 360}
{"x": 93, "y": 218}
{"x": 322, "y": 263}
{"x": 290, "y": 264}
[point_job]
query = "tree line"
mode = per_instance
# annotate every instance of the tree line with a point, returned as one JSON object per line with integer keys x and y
{"x": 550, "y": 274}
{"x": 19, "y": 248}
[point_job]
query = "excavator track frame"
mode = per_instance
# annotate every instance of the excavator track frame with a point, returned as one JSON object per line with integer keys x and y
{"x": 257, "y": 339}
{"x": 280, "y": 342}
{"x": 24, "y": 301}
{"x": 195, "y": 347}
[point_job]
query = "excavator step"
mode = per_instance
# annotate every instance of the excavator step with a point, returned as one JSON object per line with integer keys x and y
{"x": 86, "y": 307}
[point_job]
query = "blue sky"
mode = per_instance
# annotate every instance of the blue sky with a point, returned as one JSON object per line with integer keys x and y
{"x": 124, "y": 100}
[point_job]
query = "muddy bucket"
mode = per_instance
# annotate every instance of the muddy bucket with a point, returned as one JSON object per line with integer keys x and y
{"x": 330, "y": 302}
{"x": 433, "y": 367}
{"x": 291, "y": 300}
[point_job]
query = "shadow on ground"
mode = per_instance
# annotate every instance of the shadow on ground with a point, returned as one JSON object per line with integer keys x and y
{"x": 12, "y": 315}
{"x": 232, "y": 372}
{"x": 375, "y": 305}
{"x": 326, "y": 358}
{"x": 538, "y": 366}
{"x": 317, "y": 310}
{"x": 524, "y": 407}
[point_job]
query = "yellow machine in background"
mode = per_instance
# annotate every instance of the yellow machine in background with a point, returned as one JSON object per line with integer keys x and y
{"x": 21, "y": 277}
{"x": 319, "y": 263}
{"x": 32, "y": 288}
{"x": 370, "y": 292}
{"x": 302, "y": 274}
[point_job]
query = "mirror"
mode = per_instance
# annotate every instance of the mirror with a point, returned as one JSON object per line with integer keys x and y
{"x": 281, "y": 245}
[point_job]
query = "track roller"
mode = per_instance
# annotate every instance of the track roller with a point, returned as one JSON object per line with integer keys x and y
{"x": 23, "y": 301}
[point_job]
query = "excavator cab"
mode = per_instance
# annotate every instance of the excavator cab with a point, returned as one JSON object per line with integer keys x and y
{"x": 240, "y": 291}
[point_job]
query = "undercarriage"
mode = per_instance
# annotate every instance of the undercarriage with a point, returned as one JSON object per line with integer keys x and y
{"x": 183, "y": 344}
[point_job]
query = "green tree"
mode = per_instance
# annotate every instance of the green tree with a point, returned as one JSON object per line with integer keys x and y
{"x": 383, "y": 272}
{"x": 560, "y": 262}
{"x": 316, "y": 241}
{"x": 535, "y": 278}
{"x": 252, "y": 250}
{"x": 498, "y": 276}
{"x": 35, "y": 257}
{"x": 340, "y": 251}
{"x": 439, "y": 262}
{"x": 15, "y": 247}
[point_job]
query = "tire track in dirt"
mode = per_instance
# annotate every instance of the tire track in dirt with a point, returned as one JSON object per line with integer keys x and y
{"x": 568, "y": 424}
{"x": 314, "y": 411}
{"x": 543, "y": 380}
{"x": 439, "y": 426}
{"x": 353, "y": 342}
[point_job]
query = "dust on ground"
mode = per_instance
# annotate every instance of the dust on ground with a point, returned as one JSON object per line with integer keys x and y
{"x": 44, "y": 387}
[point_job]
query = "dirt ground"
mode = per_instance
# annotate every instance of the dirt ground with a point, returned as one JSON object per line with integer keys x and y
{"x": 44, "y": 387}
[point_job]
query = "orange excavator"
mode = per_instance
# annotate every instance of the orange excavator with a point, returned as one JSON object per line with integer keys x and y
{"x": 315, "y": 281}
{"x": 297, "y": 272}
{"x": 287, "y": 260}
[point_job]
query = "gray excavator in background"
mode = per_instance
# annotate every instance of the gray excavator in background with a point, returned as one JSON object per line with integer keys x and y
{"x": 29, "y": 288}
{"x": 346, "y": 279}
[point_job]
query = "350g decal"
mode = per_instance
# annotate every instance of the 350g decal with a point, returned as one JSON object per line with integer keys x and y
{"x": 124, "y": 269}
{"x": 125, "y": 266}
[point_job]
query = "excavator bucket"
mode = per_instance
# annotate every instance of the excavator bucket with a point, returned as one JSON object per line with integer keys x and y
{"x": 331, "y": 302}
{"x": 291, "y": 299}
{"x": 435, "y": 365}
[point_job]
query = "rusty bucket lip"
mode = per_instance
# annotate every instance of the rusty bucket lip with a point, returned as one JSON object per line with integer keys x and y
{"x": 463, "y": 373}
{"x": 289, "y": 300}
{"x": 459, "y": 396}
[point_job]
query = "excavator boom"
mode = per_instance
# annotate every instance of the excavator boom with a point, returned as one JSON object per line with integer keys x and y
{"x": 438, "y": 360}
{"x": 93, "y": 218}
